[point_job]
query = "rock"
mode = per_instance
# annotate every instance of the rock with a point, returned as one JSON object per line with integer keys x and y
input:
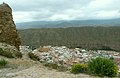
{"x": 33, "y": 56}
{"x": 8, "y": 32}
{"x": 9, "y": 51}
{"x": 10, "y": 75}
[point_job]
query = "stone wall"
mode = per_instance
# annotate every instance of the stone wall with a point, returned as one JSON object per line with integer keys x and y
{"x": 8, "y": 32}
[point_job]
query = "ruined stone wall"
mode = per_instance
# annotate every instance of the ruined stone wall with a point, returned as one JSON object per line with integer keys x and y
{"x": 8, "y": 32}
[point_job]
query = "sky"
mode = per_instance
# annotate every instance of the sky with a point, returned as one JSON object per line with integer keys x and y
{"x": 54, "y": 10}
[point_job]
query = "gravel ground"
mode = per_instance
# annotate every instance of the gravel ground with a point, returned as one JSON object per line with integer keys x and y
{"x": 26, "y": 68}
{"x": 39, "y": 71}
{"x": 19, "y": 68}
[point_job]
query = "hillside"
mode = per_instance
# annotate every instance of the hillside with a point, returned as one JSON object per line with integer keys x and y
{"x": 70, "y": 23}
{"x": 84, "y": 37}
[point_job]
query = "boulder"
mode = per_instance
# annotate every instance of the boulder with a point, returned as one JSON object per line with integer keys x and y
{"x": 9, "y": 51}
{"x": 8, "y": 32}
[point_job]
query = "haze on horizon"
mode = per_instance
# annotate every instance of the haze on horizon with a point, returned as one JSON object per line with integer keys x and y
{"x": 54, "y": 10}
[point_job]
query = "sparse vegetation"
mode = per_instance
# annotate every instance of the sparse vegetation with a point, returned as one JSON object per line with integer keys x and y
{"x": 18, "y": 54}
{"x": 3, "y": 63}
{"x": 9, "y": 54}
{"x": 55, "y": 66}
{"x": 105, "y": 38}
{"x": 79, "y": 68}
{"x": 6, "y": 54}
{"x": 102, "y": 67}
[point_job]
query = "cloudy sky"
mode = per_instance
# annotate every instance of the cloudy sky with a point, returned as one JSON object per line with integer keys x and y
{"x": 51, "y": 10}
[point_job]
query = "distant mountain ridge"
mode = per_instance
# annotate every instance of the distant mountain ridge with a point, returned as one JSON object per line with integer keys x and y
{"x": 70, "y": 23}
{"x": 83, "y": 37}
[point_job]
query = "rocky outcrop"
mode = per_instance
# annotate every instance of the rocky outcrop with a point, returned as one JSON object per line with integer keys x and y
{"x": 9, "y": 51}
{"x": 8, "y": 32}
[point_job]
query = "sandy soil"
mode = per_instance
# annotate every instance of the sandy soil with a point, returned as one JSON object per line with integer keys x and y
{"x": 26, "y": 68}
{"x": 38, "y": 71}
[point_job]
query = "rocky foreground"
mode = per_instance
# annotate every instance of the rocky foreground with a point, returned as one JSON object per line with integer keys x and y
{"x": 26, "y": 68}
{"x": 38, "y": 71}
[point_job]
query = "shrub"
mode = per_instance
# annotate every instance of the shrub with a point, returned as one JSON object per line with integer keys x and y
{"x": 3, "y": 62}
{"x": 55, "y": 66}
{"x": 79, "y": 68}
{"x": 102, "y": 67}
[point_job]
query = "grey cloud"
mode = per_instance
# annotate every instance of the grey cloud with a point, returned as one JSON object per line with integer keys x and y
{"x": 63, "y": 9}
{"x": 54, "y": 5}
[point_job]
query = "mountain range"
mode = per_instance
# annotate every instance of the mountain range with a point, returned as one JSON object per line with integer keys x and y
{"x": 82, "y": 37}
{"x": 70, "y": 23}
{"x": 91, "y": 34}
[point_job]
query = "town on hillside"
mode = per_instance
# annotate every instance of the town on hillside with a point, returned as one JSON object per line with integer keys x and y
{"x": 66, "y": 57}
